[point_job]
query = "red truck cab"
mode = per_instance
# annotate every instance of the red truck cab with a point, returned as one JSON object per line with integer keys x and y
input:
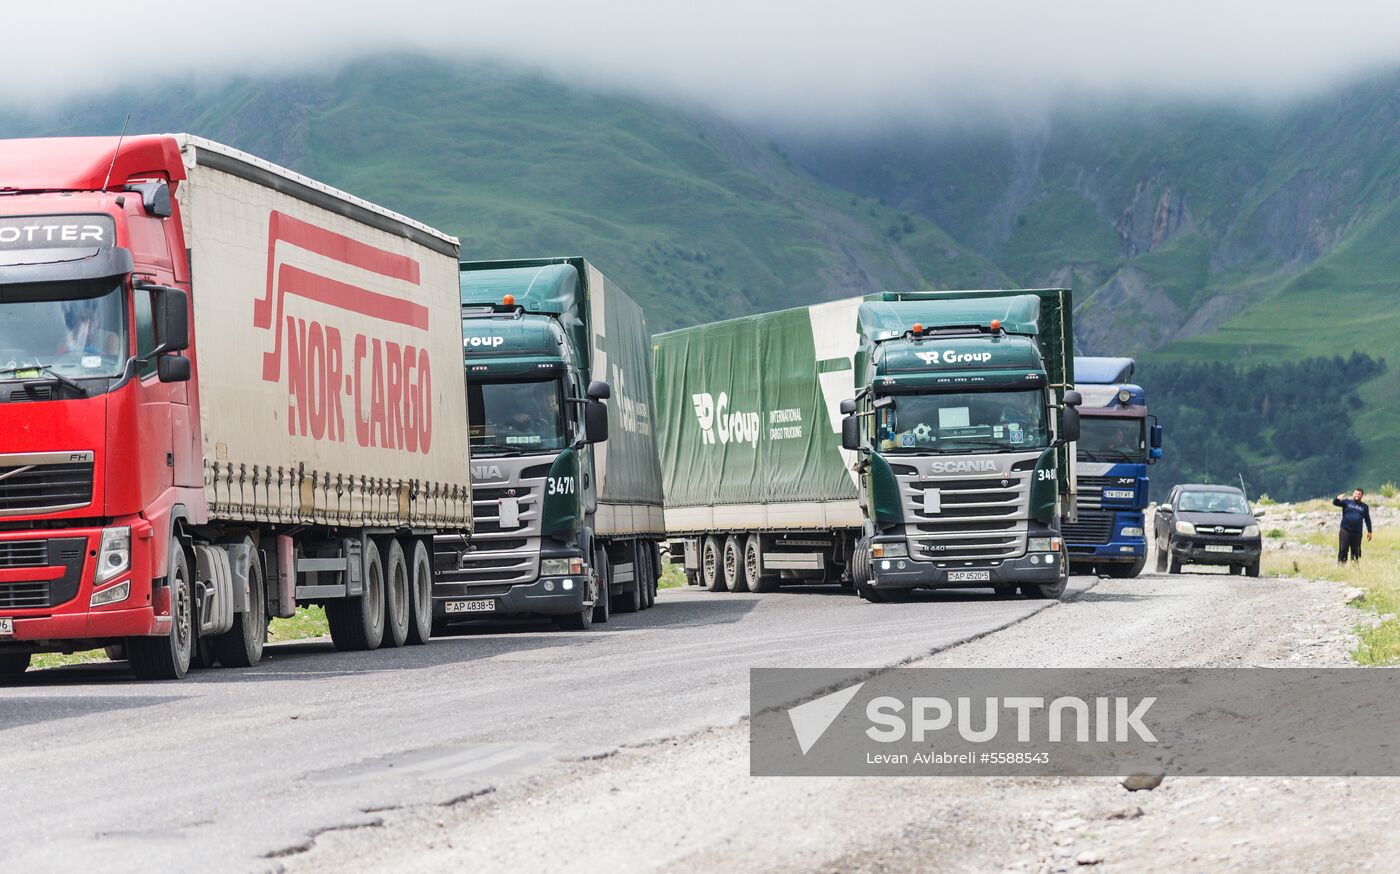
{"x": 99, "y": 421}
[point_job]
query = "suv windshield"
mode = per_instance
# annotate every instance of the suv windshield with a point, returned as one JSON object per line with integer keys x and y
{"x": 1212, "y": 502}
{"x": 519, "y": 417}
{"x": 964, "y": 422}
{"x": 77, "y": 329}
{"x": 1111, "y": 439}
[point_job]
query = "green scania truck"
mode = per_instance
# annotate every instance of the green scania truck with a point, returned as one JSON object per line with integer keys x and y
{"x": 891, "y": 442}
{"x": 564, "y": 467}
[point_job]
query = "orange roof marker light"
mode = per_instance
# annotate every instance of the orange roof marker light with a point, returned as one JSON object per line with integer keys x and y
{"x": 508, "y": 300}
{"x": 996, "y": 325}
{"x": 918, "y": 328}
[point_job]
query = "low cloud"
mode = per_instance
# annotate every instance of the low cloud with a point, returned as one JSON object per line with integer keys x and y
{"x": 808, "y": 63}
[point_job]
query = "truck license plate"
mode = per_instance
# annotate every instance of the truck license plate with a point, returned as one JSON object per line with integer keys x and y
{"x": 1125, "y": 494}
{"x": 7, "y": 627}
{"x": 969, "y": 576}
{"x": 1219, "y": 547}
{"x": 483, "y": 606}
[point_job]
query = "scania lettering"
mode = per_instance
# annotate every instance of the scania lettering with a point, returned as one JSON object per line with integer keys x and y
{"x": 569, "y": 509}
{"x": 226, "y": 391}
{"x": 1118, "y": 440}
{"x": 914, "y": 440}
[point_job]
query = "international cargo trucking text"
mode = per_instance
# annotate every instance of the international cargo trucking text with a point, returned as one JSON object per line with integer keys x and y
{"x": 1118, "y": 439}
{"x": 226, "y": 390}
{"x": 564, "y": 469}
{"x": 891, "y": 442}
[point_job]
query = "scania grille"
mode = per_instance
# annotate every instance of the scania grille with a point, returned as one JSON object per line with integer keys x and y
{"x": 1092, "y": 527}
{"x": 31, "y": 487}
{"x": 501, "y": 554}
{"x": 977, "y": 517}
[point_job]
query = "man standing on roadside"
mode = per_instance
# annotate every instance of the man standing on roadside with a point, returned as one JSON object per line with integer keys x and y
{"x": 1355, "y": 513}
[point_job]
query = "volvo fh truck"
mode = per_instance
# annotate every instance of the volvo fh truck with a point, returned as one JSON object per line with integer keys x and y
{"x": 226, "y": 390}
{"x": 567, "y": 485}
{"x": 892, "y": 442}
{"x": 1118, "y": 440}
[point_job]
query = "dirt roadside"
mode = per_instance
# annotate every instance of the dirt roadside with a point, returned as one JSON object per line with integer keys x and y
{"x": 688, "y": 804}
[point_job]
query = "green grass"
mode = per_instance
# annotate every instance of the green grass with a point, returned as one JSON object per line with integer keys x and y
{"x": 1377, "y": 575}
{"x": 672, "y": 577}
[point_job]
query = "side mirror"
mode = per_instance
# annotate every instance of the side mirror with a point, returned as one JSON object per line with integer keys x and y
{"x": 850, "y": 433}
{"x": 1258, "y": 513}
{"x": 1165, "y": 509}
{"x": 1073, "y": 398}
{"x": 848, "y": 406}
{"x": 595, "y": 419}
{"x": 599, "y": 391}
{"x": 1070, "y": 424}
{"x": 172, "y": 317}
{"x": 1154, "y": 439}
{"x": 173, "y": 368}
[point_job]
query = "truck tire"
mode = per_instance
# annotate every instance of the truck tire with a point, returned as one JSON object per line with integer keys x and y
{"x": 357, "y": 623}
{"x": 420, "y": 595}
{"x": 754, "y": 577}
{"x": 242, "y": 645}
{"x": 648, "y": 581}
{"x": 12, "y": 664}
{"x": 116, "y": 652}
{"x": 169, "y": 657}
{"x": 584, "y": 619}
{"x": 710, "y": 575}
{"x": 1048, "y": 591}
{"x": 860, "y": 575}
{"x": 1125, "y": 571}
{"x": 397, "y": 597}
{"x": 692, "y": 578}
{"x": 734, "y": 565}
{"x": 633, "y": 601}
{"x": 602, "y": 568}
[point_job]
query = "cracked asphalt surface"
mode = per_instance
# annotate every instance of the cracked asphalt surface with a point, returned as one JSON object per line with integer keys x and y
{"x": 240, "y": 770}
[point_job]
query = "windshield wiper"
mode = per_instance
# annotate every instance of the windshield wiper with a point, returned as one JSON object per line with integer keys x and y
{"x": 497, "y": 449}
{"x": 991, "y": 444}
{"x": 44, "y": 368}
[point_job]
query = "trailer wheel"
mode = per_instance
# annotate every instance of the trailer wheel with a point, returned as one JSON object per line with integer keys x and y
{"x": 12, "y": 664}
{"x": 358, "y": 623}
{"x": 754, "y": 576}
{"x": 646, "y": 584}
{"x": 710, "y": 576}
{"x": 733, "y": 565}
{"x": 168, "y": 657}
{"x": 242, "y": 645}
{"x": 420, "y": 596}
{"x": 397, "y": 599}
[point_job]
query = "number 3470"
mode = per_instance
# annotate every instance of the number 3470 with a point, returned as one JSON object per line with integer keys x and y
{"x": 560, "y": 485}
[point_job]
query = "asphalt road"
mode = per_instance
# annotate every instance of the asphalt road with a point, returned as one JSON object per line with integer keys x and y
{"x": 236, "y": 770}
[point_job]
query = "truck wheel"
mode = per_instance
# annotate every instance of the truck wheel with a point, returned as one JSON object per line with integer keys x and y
{"x": 633, "y": 601}
{"x": 1125, "y": 571}
{"x": 647, "y": 583}
{"x": 602, "y": 571}
{"x": 358, "y": 623}
{"x": 710, "y": 576}
{"x": 168, "y": 657}
{"x": 420, "y": 596}
{"x": 692, "y": 578}
{"x": 1252, "y": 570}
{"x": 242, "y": 645}
{"x": 397, "y": 598}
{"x": 1044, "y": 592}
{"x": 733, "y": 565}
{"x": 860, "y": 575}
{"x": 754, "y": 577}
{"x": 12, "y": 664}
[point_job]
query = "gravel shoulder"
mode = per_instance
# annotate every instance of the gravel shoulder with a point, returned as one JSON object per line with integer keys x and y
{"x": 688, "y": 804}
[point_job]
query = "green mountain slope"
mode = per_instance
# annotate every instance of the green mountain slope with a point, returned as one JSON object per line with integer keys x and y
{"x": 697, "y": 220}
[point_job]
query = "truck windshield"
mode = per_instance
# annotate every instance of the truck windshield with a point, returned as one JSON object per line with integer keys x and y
{"x": 964, "y": 422}
{"x": 515, "y": 417}
{"x": 1111, "y": 439}
{"x": 77, "y": 329}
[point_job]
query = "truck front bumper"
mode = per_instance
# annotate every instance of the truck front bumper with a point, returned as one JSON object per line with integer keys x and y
{"x": 1119, "y": 551}
{"x": 548, "y": 596}
{"x": 905, "y": 573}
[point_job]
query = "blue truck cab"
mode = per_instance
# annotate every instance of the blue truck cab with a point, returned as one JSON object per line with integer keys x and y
{"x": 1117, "y": 441}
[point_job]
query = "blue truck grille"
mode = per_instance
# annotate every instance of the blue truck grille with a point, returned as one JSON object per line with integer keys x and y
{"x": 1094, "y": 527}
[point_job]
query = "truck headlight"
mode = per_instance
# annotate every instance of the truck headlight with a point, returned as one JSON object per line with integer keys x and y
{"x": 890, "y": 550}
{"x": 1251, "y": 531}
{"x": 114, "y": 555}
{"x": 1132, "y": 532}
{"x": 1185, "y": 528}
{"x": 1043, "y": 544}
{"x": 558, "y": 567}
{"x": 112, "y": 595}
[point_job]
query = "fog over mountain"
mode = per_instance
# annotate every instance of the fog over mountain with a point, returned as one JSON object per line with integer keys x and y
{"x": 785, "y": 62}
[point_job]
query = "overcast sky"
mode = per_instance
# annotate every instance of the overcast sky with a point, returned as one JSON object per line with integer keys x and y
{"x": 808, "y": 62}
